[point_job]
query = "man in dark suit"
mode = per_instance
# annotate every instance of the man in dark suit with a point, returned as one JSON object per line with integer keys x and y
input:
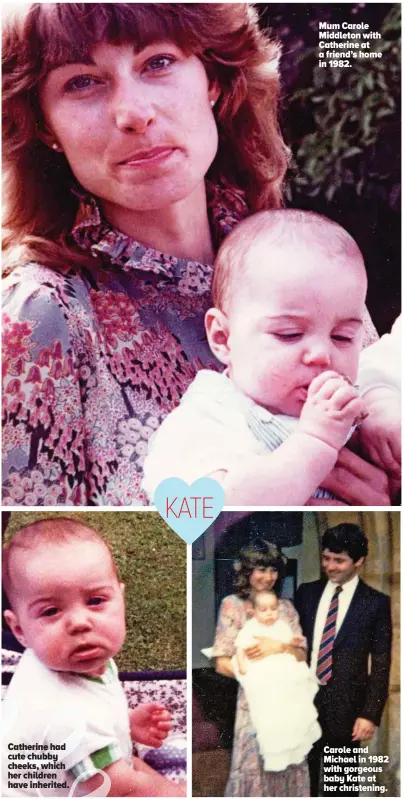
{"x": 345, "y": 621}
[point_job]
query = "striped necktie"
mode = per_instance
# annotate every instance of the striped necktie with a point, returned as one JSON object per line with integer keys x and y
{"x": 324, "y": 661}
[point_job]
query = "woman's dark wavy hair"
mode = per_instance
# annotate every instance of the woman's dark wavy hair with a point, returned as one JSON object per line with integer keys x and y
{"x": 40, "y": 207}
{"x": 259, "y": 553}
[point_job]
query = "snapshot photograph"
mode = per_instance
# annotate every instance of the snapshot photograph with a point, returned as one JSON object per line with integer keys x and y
{"x": 296, "y": 655}
{"x": 93, "y": 655}
{"x": 202, "y": 252}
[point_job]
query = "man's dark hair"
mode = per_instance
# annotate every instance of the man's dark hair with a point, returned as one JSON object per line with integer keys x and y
{"x": 347, "y": 538}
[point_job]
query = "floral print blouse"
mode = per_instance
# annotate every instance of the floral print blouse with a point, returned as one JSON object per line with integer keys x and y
{"x": 94, "y": 360}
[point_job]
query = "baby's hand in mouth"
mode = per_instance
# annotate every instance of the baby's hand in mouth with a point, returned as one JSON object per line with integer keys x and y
{"x": 364, "y": 413}
{"x": 332, "y": 408}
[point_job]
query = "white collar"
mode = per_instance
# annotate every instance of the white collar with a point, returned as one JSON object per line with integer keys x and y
{"x": 348, "y": 588}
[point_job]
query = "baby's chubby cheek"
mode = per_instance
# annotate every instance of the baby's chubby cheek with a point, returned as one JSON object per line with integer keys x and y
{"x": 271, "y": 381}
{"x": 350, "y": 370}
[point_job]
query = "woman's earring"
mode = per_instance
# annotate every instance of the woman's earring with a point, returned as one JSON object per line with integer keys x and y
{"x": 212, "y": 102}
{"x": 55, "y": 146}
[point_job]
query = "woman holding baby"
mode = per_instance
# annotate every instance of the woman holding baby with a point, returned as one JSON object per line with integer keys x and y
{"x": 259, "y": 569}
{"x": 136, "y": 137}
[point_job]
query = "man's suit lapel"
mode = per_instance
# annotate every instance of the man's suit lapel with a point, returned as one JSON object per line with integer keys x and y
{"x": 356, "y": 608}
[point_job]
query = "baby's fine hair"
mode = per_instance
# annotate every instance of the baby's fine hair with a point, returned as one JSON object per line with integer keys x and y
{"x": 277, "y": 228}
{"x": 47, "y": 532}
{"x": 259, "y": 594}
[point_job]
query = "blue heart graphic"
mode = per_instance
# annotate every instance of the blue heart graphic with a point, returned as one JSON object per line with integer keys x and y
{"x": 189, "y": 509}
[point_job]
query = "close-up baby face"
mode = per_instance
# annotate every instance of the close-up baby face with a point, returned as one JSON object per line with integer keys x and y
{"x": 296, "y": 315}
{"x": 266, "y": 609}
{"x": 69, "y": 605}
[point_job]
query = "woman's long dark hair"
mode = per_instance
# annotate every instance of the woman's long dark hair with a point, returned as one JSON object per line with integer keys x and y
{"x": 258, "y": 554}
{"x": 40, "y": 208}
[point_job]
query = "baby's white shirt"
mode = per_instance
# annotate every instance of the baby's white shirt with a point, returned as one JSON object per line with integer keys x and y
{"x": 42, "y": 706}
{"x": 207, "y": 433}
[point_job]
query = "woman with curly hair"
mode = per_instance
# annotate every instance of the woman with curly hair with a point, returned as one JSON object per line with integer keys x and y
{"x": 135, "y": 137}
{"x": 260, "y": 568}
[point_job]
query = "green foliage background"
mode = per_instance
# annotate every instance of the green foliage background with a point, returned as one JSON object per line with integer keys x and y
{"x": 343, "y": 126}
{"x": 151, "y": 560}
{"x": 352, "y": 111}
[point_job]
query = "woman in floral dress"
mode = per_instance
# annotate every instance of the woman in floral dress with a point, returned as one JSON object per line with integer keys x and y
{"x": 260, "y": 567}
{"x": 115, "y": 113}
{"x": 135, "y": 137}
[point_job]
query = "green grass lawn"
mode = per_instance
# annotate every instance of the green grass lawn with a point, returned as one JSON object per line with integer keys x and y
{"x": 151, "y": 560}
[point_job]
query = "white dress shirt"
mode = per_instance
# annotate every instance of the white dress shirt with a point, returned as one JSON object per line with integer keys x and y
{"x": 344, "y": 601}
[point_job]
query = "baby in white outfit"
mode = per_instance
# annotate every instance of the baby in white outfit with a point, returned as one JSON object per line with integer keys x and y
{"x": 279, "y": 689}
{"x": 288, "y": 323}
{"x": 65, "y": 701}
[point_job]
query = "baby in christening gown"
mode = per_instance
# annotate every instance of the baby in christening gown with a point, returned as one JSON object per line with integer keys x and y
{"x": 279, "y": 689}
